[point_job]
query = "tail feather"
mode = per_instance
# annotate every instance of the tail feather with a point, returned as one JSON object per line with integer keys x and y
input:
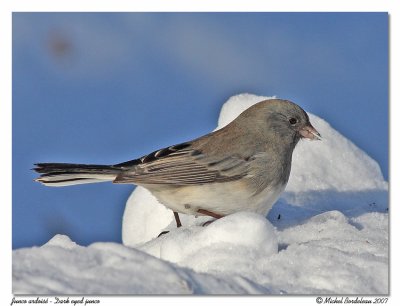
{"x": 61, "y": 174}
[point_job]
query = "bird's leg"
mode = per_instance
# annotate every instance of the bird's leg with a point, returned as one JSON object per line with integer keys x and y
{"x": 211, "y": 214}
{"x": 178, "y": 224}
{"x": 177, "y": 220}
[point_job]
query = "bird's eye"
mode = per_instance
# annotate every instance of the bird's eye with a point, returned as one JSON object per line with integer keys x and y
{"x": 292, "y": 120}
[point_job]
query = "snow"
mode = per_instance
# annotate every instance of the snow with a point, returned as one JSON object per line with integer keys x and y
{"x": 327, "y": 234}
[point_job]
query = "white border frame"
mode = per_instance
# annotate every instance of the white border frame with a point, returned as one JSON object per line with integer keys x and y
{"x": 9, "y": 6}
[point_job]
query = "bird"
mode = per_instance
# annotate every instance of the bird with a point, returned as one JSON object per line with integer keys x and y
{"x": 243, "y": 166}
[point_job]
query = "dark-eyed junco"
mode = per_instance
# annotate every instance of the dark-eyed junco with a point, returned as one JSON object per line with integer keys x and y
{"x": 243, "y": 166}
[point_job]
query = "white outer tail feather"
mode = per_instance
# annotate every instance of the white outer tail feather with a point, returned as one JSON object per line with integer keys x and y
{"x": 70, "y": 183}
{"x": 74, "y": 179}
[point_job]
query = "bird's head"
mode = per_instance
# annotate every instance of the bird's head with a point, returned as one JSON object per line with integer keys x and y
{"x": 285, "y": 119}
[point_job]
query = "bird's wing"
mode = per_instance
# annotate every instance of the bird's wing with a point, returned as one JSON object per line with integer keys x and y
{"x": 181, "y": 165}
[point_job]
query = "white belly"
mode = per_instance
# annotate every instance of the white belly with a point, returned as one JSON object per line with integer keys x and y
{"x": 220, "y": 198}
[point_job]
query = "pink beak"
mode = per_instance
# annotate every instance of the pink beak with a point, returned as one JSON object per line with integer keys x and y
{"x": 310, "y": 133}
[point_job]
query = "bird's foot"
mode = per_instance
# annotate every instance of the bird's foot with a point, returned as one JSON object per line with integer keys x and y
{"x": 208, "y": 223}
{"x": 178, "y": 224}
{"x": 162, "y": 233}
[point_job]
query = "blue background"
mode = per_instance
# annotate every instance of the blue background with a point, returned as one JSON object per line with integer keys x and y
{"x": 110, "y": 87}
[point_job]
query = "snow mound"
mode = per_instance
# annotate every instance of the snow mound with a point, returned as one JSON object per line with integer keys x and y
{"x": 330, "y": 254}
{"x": 110, "y": 268}
{"x": 218, "y": 246}
{"x": 334, "y": 254}
{"x": 327, "y": 234}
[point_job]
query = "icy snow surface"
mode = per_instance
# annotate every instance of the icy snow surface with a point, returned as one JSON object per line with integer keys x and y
{"x": 328, "y": 233}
